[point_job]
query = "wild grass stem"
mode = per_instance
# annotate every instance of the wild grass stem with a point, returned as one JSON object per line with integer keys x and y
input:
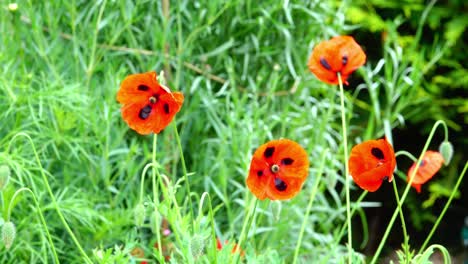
{"x": 41, "y": 217}
{"x": 52, "y": 196}
{"x": 405, "y": 193}
{"x": 345, "y": 150}
{"x": 309, "y": 205}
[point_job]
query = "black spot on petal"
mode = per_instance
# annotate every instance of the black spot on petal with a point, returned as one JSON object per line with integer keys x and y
{"x": 166, "y": 108}
{"x": 376, "y": 152}
{"x": 143, "y": 87}
{"x": 325, "y": 64}
{"x": 287, "y": 161}
{"x": 423, "y": 162}
{"x": 144, "y": 112}
{"x": 269, "y": 152}
{"x": 344, "y": 60}
{"x": 259, "y": 173}
{"x": 280, "y": 185}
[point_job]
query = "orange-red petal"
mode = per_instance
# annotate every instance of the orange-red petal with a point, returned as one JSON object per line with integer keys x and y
{"x": 340, "y": 54}
{"x": 292, "y": 161}
{"x": 142, "y": 91}
{"x": 372, "y": 162}
{"x": 431, "y": 163}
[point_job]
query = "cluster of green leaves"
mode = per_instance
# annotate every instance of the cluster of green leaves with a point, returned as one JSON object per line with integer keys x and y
{"x": 242, "y": 67}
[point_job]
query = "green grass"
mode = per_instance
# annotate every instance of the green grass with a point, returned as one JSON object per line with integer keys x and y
{"x": 242, "y": 68}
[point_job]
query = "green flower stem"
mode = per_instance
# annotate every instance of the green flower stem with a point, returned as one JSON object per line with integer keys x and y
{"x": 212, "y": 220}
{"x": 246, "y": 225}
{"x": 184, "y": 169}
{"x": 407, "y": 154}
{"x": 405, "y": 193}
{"x": 345, "y": 146}
{"x": 41, "y": 216}
{"x": 309, "y": 206}
{"x": 343, "y": 228}
{"x": 402, "y": 218}
{"x": 176, "y": 208}
{"x": 52, "y": 196}
{"x": 436, "y": 224}
{"x": 155, "y": 172}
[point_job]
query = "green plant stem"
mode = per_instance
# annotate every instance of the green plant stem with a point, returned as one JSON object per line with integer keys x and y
{"x": 41, "y": 216}
{"x": 212, "y": 220}
{"x": 309, "y": 206}
{"x": 155, "y": 194}
{"x": 436, "y": 224}
{"x": 407, "y": 154}
{"x": 246, "y": 225}
{"x": 52, "y": 196}
{"x": 343, "y": 228}
{"x": 176, "y": 208}
{"x": 402, "y": 218}
{"x": 345, "y": 147}
{"x": 184, "y": 170}
{"x": 405, "y": 193}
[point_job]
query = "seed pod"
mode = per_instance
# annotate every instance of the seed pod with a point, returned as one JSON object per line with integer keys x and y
{"x": 140, "y": 214}
{"x": 446, "y": 149}
{"x": 8, "y": 234}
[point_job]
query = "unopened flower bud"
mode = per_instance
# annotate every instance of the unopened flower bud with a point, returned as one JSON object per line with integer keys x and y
{"x": 8, "y": 234}
{"x": 446, "y": 149}
{"x": 140, "y": 214}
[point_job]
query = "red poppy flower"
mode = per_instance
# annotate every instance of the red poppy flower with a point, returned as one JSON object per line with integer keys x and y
{"x": 372, "y": 162}
{"x": 340, "y": 54}
{"x": 147, "y": 105}
{"x": 430, "y": 165}
{"x": 235, "y": 249}
{"x": 278, "y": 170}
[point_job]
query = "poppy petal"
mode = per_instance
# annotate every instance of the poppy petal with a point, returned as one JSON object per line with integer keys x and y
{"x": 340, "y": 54}
{"x": 431, "y": 163}
{"x": 372, "y": 162}
{"x": 138, "y": 87}
{"x": 147, "y": 106}
{"x": 278, "y": 170}
{"x": 168, "y": 106}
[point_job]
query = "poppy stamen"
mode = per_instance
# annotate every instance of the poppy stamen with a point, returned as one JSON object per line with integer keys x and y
{"x": 153, "y": 99}
{"x": 145, "y": 112}
{"x": 274, "y": 168}
{"x": 269, "y": 152}
{"x": 325, "y": 64}
{"x": 344, "y": 60}
{"x": 166, "y": 108}
{"x": 376, "y": 152}
{"x": 287, "y": 161}
{"x": 143, "y": 87}
{"x": 280, "y": 185}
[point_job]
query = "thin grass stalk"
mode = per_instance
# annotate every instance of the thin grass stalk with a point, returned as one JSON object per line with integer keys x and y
{"x": 345, "y": 150}
{"x": 41, "y": 216}
{"x": 184, "y": 170}
{"x": 344, "y": 227}
{"x": 246, "y": 225}
{"x": 309, "y": 206}
{"x": 436, "y": 224}
{"x": 212, "y": 220}
{"x": 52, "y": 196}
{"x": 405, "y": 193}
{"x": 155, "y": 195}
{"x": 402, "y": 218}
